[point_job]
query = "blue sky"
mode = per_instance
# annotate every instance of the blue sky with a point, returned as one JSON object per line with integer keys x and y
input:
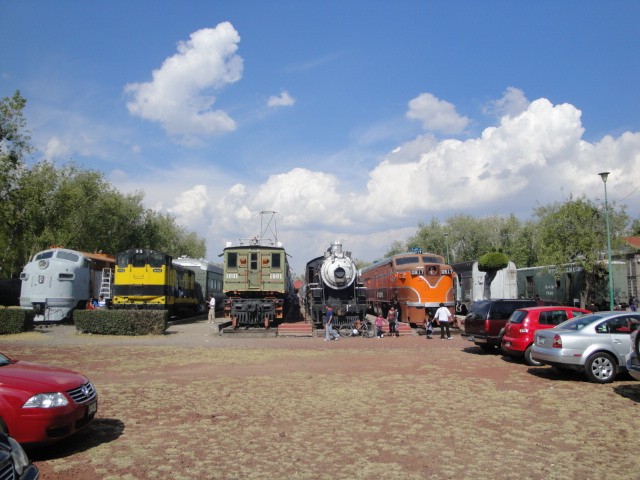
{"x": 354, "y": 120}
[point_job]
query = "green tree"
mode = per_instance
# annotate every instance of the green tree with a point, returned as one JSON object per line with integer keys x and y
{"x": 523, "y": 252}
{"x": 469, "y": 237}
{"x": 428, "y": 238}
{"x": 396, "y": 247}
{"x": 574, "y": 232}
{"x": 14, "y": 141}
{"x": 14, "y": 145}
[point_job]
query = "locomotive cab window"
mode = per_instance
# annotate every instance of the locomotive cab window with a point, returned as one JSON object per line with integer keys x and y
{"x": 406, "y": 260}
{"x": 232, "y": 260}
{"x": 432, "y": 259}
{"x": 72, "y": 257}
{"x": 138, "y": 260}
{"x": 254, "y": 261}
{"x": 42, "y": 255}
{"x": 157, "y": 259}
{"x": 275, "y": 260}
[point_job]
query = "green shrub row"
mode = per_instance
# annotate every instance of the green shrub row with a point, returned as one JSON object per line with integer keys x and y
{"x": 15, "y": 320}
{"x": 121, "y": 322}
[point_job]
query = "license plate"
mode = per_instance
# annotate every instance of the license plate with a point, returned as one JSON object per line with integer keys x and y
{"x": 92, "y": 408}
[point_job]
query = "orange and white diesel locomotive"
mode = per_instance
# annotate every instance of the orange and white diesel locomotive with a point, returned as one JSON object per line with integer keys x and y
{"x": 415, "y": 283}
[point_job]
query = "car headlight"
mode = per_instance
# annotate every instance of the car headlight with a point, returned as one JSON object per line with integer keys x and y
{"x": 20, "y": 460}
{"x": 46, "y": 400}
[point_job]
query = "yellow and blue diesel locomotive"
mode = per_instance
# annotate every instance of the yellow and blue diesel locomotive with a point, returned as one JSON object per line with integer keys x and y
{"x": 258, "y": 284}
{"x": 147, "y": 279}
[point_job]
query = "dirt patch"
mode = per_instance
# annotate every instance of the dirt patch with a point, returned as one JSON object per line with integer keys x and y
{"x": 192, "y": 404}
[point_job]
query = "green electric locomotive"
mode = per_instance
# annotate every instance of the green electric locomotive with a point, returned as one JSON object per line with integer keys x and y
{"x": 257, "y": 282}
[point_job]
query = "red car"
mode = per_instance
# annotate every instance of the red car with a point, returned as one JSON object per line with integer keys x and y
{"x": 520, "y": 330}
{"x": 42, "y": 404}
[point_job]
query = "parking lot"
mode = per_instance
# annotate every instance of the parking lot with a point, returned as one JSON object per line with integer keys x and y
{"x": 192, "y": 404}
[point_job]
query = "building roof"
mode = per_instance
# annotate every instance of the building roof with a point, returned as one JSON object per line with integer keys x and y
{"x": 632, "y": 242}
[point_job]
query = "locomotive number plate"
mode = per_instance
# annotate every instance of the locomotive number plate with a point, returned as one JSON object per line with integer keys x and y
{"x": 446, "y": 271}
{"x": 232, "y": 275}
{"x": 275, "y": 276}
{"x": 417, "y": 271}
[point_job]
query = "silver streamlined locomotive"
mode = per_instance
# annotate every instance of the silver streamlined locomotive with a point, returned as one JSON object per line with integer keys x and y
{"x": 333, "y": 280}
{"x": 58, "y": 280}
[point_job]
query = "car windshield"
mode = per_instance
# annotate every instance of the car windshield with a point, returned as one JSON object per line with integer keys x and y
{"x": 579, "y": 323}
{"x": 518, "y": 316}
{"x": 4, "y": 360}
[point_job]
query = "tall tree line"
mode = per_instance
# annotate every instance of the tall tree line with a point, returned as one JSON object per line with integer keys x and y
{"x": 77, "y": 208}
{"x": 571, "y": 231}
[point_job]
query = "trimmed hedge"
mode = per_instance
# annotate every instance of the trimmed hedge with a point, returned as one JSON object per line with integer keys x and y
{"x": 121, "y": 322}
{"x": 15, "y": 320}
{"x": 492, "y": 261}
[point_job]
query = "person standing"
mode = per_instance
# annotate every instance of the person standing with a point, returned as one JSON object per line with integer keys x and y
{"x": 633, "y": 306}
{"x": 379, "y": 324}
{"x": 329, "y": 332}
{"x": 429, "y": 328}
{"x": 443, "y": 317}
{"x": 212, "y": 309}
{"x": 392, "y": 319}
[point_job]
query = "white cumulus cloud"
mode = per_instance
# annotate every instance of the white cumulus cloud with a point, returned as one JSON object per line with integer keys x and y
{"x": 436, "y": 115}
{"x": 282, "y": 100}
{"x": 190, "y": 205}
{"x": 512, "y": 103}
{"x": 181, "y": 94}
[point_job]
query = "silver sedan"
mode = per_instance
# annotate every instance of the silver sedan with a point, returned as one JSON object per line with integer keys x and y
{"x": 596, "y": 344}
{"x": 633, "y": 361}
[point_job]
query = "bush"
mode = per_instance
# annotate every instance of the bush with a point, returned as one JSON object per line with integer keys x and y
{"x": 492, "y": 261}
{"x": 121, "y": 322}
{"x": 15, "y": 320}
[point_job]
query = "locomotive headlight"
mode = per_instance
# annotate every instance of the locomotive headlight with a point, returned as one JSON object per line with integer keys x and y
{"x": 47, "y": 400}
{"x": 42, "y": 264}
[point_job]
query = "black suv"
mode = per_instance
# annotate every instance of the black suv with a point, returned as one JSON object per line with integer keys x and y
{"x": 486, "y": 319}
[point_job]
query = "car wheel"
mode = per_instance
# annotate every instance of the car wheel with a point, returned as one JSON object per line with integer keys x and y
{"x": 600, "y": 368}
{"x": 528, "y": 359}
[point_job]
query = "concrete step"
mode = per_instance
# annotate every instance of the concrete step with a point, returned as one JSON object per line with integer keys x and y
{"x": 295, "y": 329}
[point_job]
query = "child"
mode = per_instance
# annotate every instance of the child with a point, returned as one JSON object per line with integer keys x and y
{"x": 429, "y": 328}
{"x": 379, "y": 322}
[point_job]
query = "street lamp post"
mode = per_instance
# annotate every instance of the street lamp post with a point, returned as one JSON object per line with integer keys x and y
{"x": 446, "y": 239}
{"x": 604, "y": 176}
